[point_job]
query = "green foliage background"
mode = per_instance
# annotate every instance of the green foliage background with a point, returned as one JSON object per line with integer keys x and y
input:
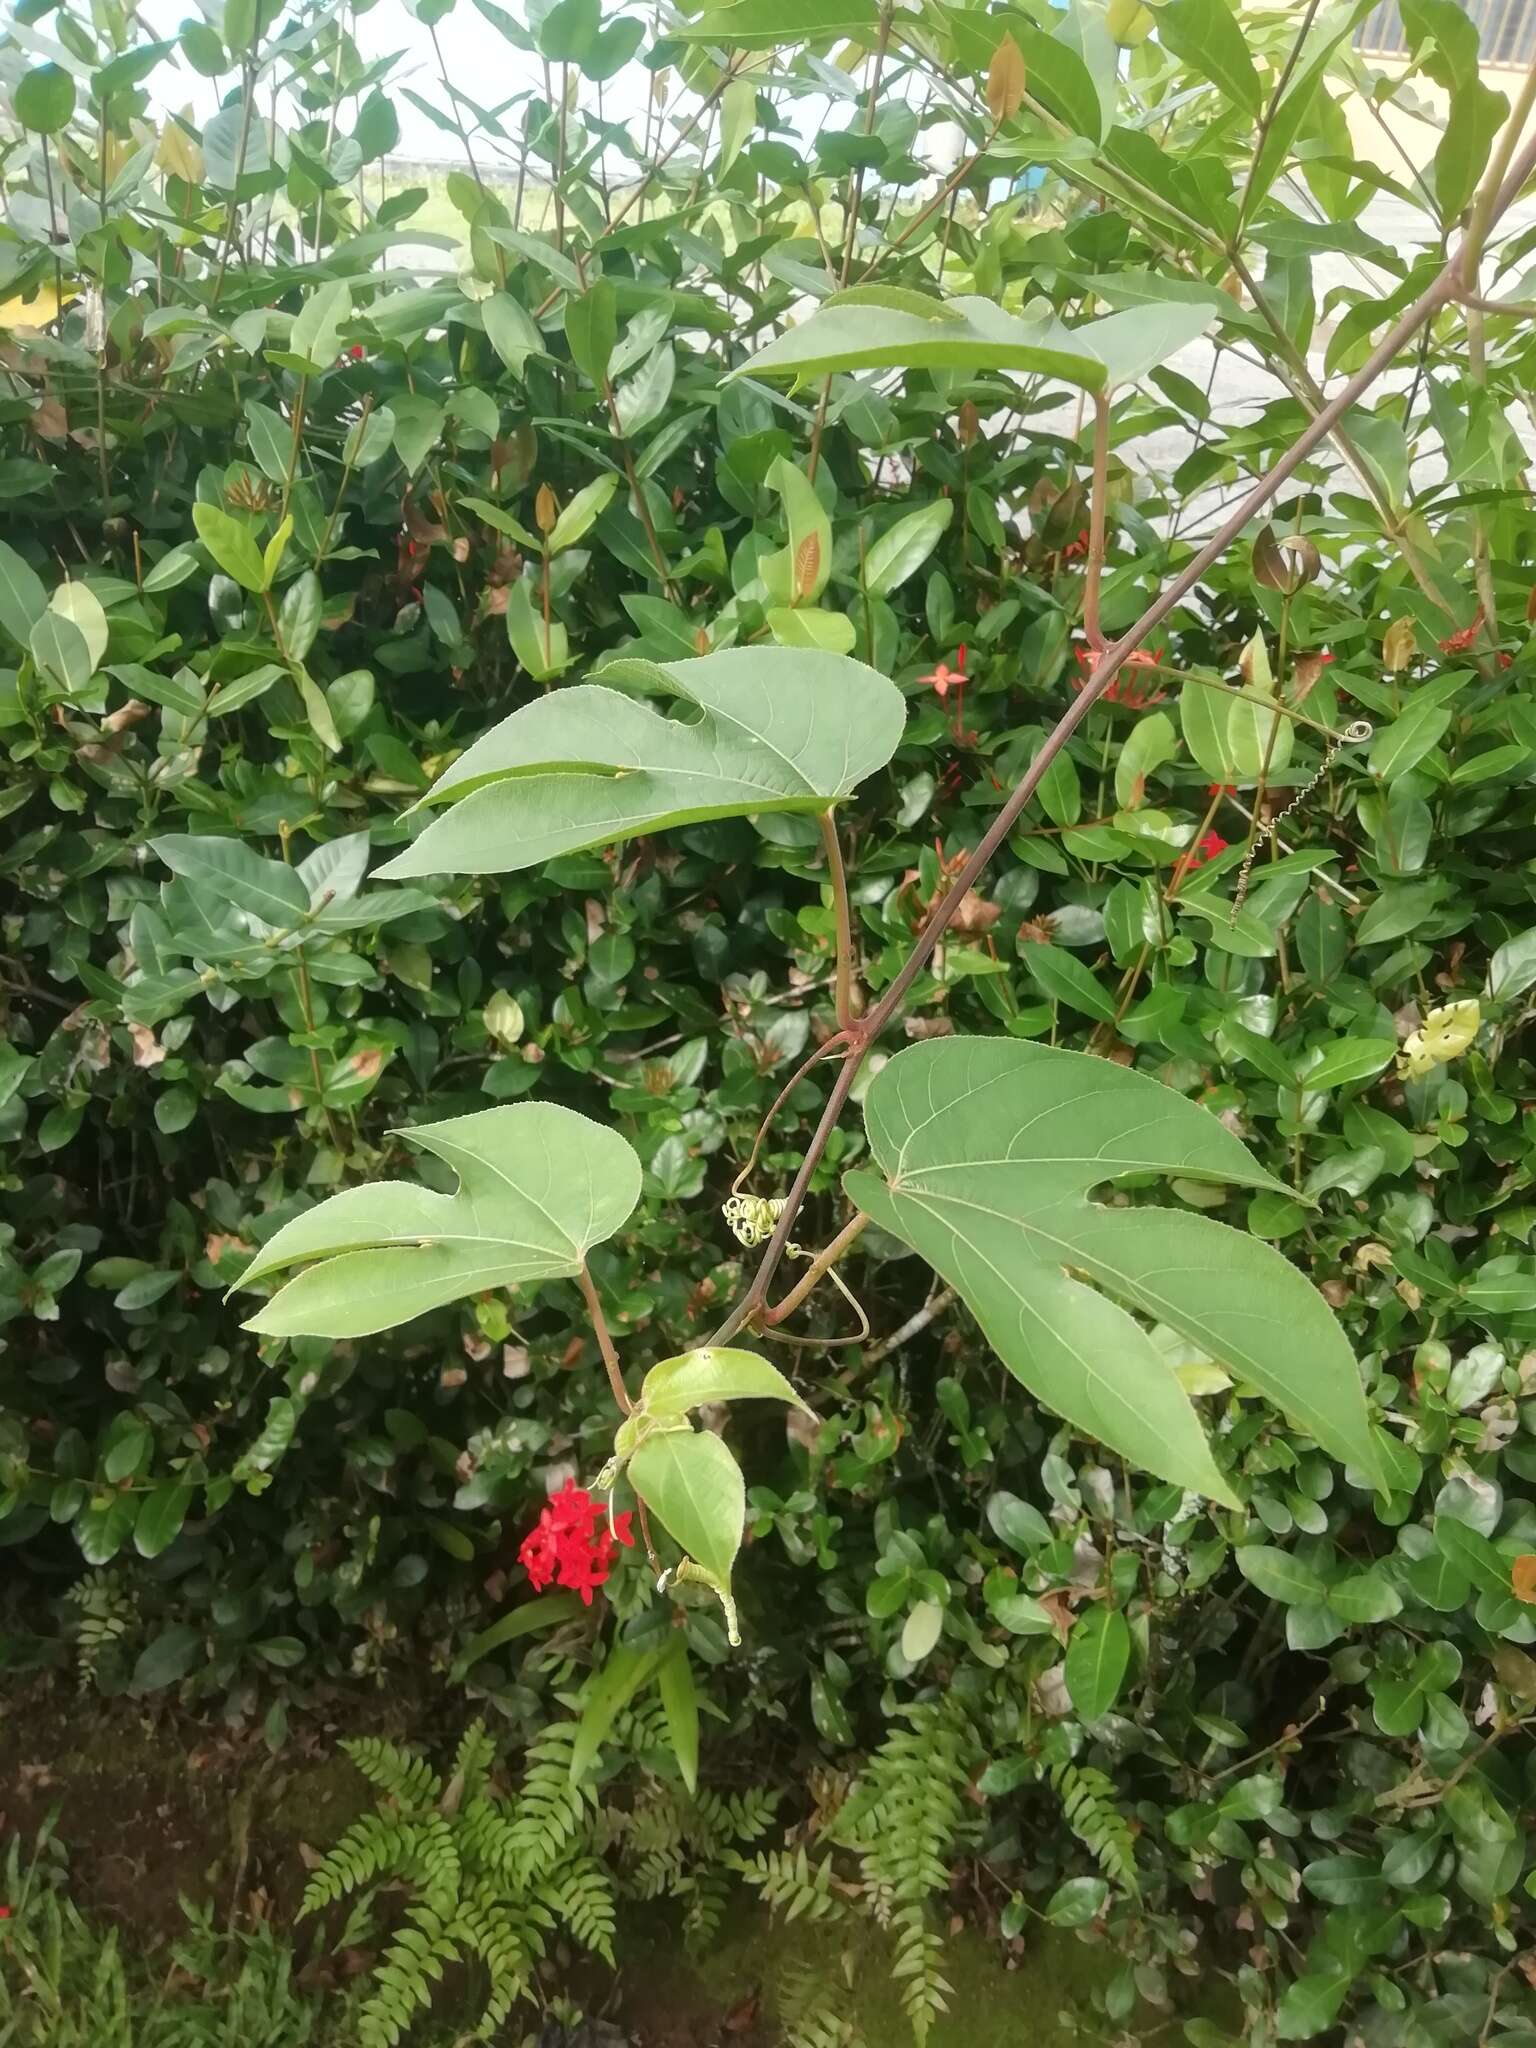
{"x": 200, "y": 1042}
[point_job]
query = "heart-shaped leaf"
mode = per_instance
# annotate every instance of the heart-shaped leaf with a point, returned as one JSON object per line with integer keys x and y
{"x": 777, "y": 730}
{"x": 538, "y": 1186}
{"x": 988, "y": 1150}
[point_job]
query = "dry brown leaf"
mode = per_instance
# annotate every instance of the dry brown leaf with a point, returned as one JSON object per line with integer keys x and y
{"x": 147, "y": 1049}
{"x": 975, "y": 914}
{"x": 1005, "y": 80}
{"x": 1523, "y": 1576}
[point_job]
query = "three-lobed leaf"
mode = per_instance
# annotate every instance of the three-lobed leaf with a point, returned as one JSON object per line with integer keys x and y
{"x": 538, "y": 1187}
{"x": 987, "y": 1152}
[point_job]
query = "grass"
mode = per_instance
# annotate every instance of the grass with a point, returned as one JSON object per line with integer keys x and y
{"x": 67, "y": 1984}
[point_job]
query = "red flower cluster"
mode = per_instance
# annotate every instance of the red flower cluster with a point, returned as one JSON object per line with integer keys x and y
{"x": 1208, "y": 848}
{"x": 1124, "y": 689}
{"x": 1458, "y": 643}
{"x": 572, "y": 1544}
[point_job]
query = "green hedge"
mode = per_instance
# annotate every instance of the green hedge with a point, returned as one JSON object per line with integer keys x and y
{"x": 1314, "y": 1741}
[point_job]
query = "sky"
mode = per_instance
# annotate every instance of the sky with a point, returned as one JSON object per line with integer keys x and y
{"x": 479, "y": 61}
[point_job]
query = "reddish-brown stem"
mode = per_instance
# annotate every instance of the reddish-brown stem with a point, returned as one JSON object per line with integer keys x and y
{"x": 956, "y": 179}
{"x": 604, "y": 1341}
{"x": 847, "y": 988}
{"x": 1108, "y": 666}
{"x": 1091, "y": 630}
{"x": 856, "y": 178}
{"x": 822, "y": 1052}
{"x": 621, "y": 213}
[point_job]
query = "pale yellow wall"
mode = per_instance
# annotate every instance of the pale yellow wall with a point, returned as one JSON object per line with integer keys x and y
{"x": 1418, "y": 138}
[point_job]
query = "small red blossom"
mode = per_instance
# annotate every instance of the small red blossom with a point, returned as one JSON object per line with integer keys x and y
{"x": 572, "y": 1543}
{"x": 1075, "y": 548}
{"x": 1458, "y": 643}
{"x": 942, "y": 678}
{"x": 5, "y": 1912}
{"x": 1221, "y": 789}
{"x": 1125, "y": 689}
{"x": 1209, "y": 847}
{"x": 357, "y": 351}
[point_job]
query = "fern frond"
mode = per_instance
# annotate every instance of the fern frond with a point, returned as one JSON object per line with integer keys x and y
{"x": 506, "y": 1943}
{"x": 377, "y": 1845}
{"x": 1088, "y": 1801}
{"x": 409, "y": 1780}
{"x": 402, "y": 1984}
{"x": 472, "y": 1763}
{"x": 551, "y": 1811}
{"x": 790, "y": 1882}
{"x": 437, "y": 1865}
{"x": 704, "y": 1897}
{"x": 582, "y": 1892}
{"x": 808, "y": 2011}
{"x": 923, "y": 1985}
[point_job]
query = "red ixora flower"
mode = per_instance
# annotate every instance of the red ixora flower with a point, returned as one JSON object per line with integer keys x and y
{"x": 1221, "y": 789}
{"x": 1208, "y": 848}
{"x": 943, "y": 678}
{"x": 1125, "y": 689}
{"x": 1458, "y": 643}
{"x": 572, "y": 1544}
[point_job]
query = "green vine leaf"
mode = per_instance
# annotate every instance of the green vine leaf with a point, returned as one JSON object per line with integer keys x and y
{"x": 988, "y": 1151}
{"x": 695, "y": 1488}
{"x": 777, "y": 730}
{"x": 678, "y": 1384}
{"x": 538, "y": 1187}
{"x": 912, "y": 332}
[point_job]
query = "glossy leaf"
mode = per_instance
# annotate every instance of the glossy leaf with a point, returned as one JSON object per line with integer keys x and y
{"x": 231, "y": 544}
{"x": 680, "y": 1705}
{"x": 538, "y": 1187}
{"x": 1098, "y": 1657}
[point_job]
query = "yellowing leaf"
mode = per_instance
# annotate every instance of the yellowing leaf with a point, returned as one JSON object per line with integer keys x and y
{"x": 1444, "y": 1035}
{"x": 178, "y": 154}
